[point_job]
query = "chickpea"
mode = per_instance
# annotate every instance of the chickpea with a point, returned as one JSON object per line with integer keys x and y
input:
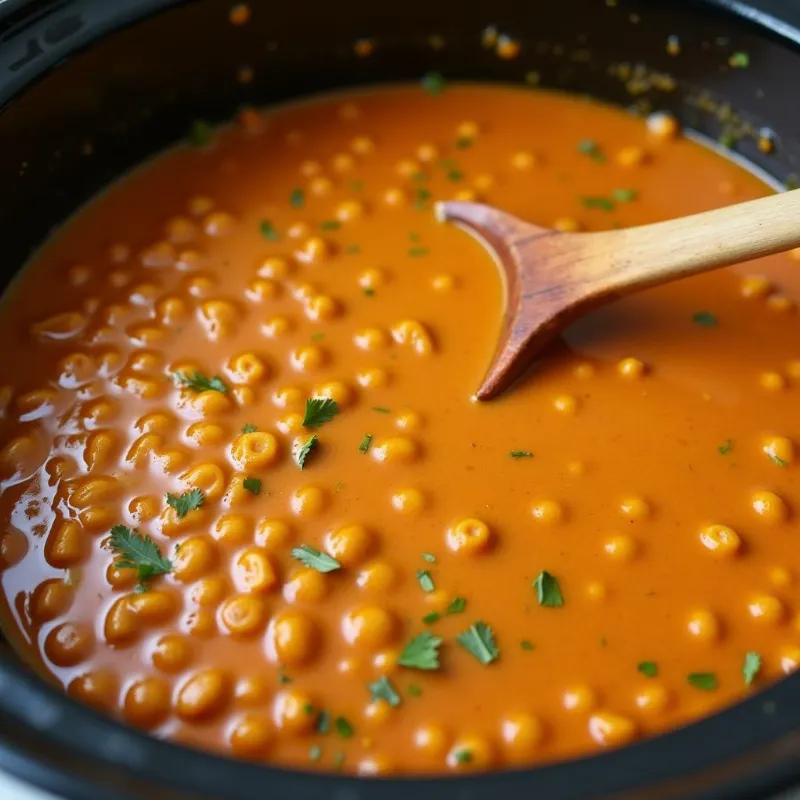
{"x": 548, "y": 512}
{"x": 51, "y": 598}
{"x": 272, "y": 533}
{"x": 172, "y": 653}
{"x": 121, "y": 625}
{"x": 155, "y": 606}
{"x": 350, "y": 544}
{"x": 254, "y": 450}
{"x": 97, "y": 688}
{"x": 522, "y": 734}
{"x": 767, "y": 609}
{"x": 204, "y": 695}
{"x": 369, "y": 627}
{"x": 305, "y": 586}
{"x": 68, "y": 644}
{"x": 720, "y": 540}
{"x": 611, "y": 730}
{"x": 431, "y": 740}
{"x": 243, "y": 614}
{"x": 147, "y": 702}
{"x": 195, "y": 558}
{"x": 769, "y": 507}
{"x": 308, "y": 501}
{"x": 396, "y": 450}
{"x": 653, "y": 698}
{"x": 703, "y": 626}
{"x": 293, "y": 638}
{"x": 621, "y": 548}
{"x": 293, "y": 712}
{"x": 251, "y": 736}
{"x": 470, "y": 753}
{"x": 469, "y": 536}
{"x": 255, "y": 571}
{"x": 378, "y": 577}
{"x": 580, "y": 698}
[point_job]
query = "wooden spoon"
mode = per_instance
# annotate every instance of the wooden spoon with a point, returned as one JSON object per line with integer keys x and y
{"x": 552, "y": 278}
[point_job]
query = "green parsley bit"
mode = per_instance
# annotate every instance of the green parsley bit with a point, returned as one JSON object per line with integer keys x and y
{"x": 138, "y": 552}
{"x": 429, "y": 557}
{"x": 297, "y": 198}
{"x": 186, "y": 502}
{"x": 648, "y": 668}
{"x": 268, "y": 232}
{"x": 454, "y": 175}
{"x": 548, "y": 592}
{"x": 413, "y": 690}
{"x": 422, "y": 652}
{"x": 433, "y": 83}
{"x": 603, "y": 203}
{"x": 366, "y": 442}
{"x": 463, "y": 142}
{"x": 369, "y": 292}
{"x": 433, "y": 616}
{"x": 705, "y": 319}
{"x": 382, "y": 409}
{"x": 739, "y": 60}
{"x": 323, "y": 723}
{"x": 200, "y": 133}
{"x": 319, "y": 410}
{"x": 198, "y": 382}
{"x": 521, "y": 454}
{"x": 301, "y": 452}
{"x": 751, "y": 667}
{"x": 383, "y": 689}
{"x": 330, "y": 225}
{"x": 248, "y": 427}
{"x": 314, "y": 752}
{"x": 352, "y": 249}
{"x": 253, "y": 485}
{"x": 590, "y": 148}
{"x": 778, "y": 460}
{"x": 462, "y": 756}
{"x": 479, "y": 641}
{"x": 425, "y": 580}
{"x": 418, "y": 252}
{"x": 317, "y": 336}
{"x": 457, "y": 606}
{"x": 343, "y": 727}
{"x": 624, "y": 195}
{"x": 707, "y": 681}
{"x": 314, "y": 559}
{"x": 527, "y": 645}
{"x": 724, "y": 449}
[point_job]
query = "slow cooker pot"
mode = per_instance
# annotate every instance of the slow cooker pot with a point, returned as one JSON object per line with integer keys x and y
{"x": 88, "y": 88}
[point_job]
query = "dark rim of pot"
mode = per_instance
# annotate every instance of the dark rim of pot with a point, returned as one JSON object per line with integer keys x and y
{"x": 750, "y": 749}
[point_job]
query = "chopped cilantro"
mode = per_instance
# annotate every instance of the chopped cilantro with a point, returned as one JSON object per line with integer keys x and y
{"x": 413, "y": 690}
{"x": 624, "y": 195}
{"x": 200, "y": 383}
{"x": 253, "y": 485}
{"x": 778, "y": 460}
{"x": 590, "y": 148}
{"x": 422, "y": 652}
{"x": 603, "y": 203}
{"x": 317, "y": 336}
{"x": 268, "y": 232}
{"x": 751, "y": 667}
{"x": 433, "y": 616}
{"x": 382, "y": 409}
{"x": 417, "y": 252}
{"x": 648, "y": 668}
{"x": 297, "y": 198}
{"x": 527, "y": 645}
{"x": 330, "y": 225}
{"x": 457, "y": 605}
{"x": 433, "y": 83}
{"x": 343, "y": 727}
{"x": 319, "y": 410}
{"x": 521, "y": 454}
{"x": 429, "y": 557}
{"x": 707, "y": 681}
{"x": 314, "y": 559}
{"x": 365, "y": 443}
{"x": 548, "y": 592}
{"x": 382, "y": 689}
{"x": 724, "y": 449}
{"x": 369, "y": 292}
{"x": 425, "y": 580}
{"x": 300, "y": 452}
{"x": 314, "y": 752}
{"x": 463, "y": 142}
{"x": 454, "y": 175}
{"x": 462, "y": 756}
{"x": 323, "y": 723}
{"x": 248, "y": 427}
{"x": 705, "y": 319}
{"x": 138, "y": 552}
{"x": 352, "y": 248}
{"x": 186, "y": 502}
{"x": 479, "y": 641}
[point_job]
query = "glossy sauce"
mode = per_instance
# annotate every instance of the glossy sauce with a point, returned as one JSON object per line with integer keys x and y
{"x": 654, "y": 474}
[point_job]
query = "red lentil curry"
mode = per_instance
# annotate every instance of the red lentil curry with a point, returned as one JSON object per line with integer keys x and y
{"x": 250, "y": 504}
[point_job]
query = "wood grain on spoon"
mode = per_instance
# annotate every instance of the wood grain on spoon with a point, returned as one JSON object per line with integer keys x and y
{"x": 552, "y": 278}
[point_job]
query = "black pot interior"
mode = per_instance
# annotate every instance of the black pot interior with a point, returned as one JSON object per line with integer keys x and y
{"x": 70, "y": 128}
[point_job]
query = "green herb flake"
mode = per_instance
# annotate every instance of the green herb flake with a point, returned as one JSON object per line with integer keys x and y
{"x": 418, "y": 252}
{"x": 463, "y": 142}
{"x": 624, "y": 195}
{"x": 422, "y": 652}
{"x": 253, "y": 485}
{"x": 479, "y": 641}
{"x": 457, "y": 605}
{"x": 521, "y": 454}
{"x": 323, "y": 723}
{"x": 590, "y": 148}
{"x": 751, "y": 667}
{"x": 357, "y": 186}
{"x": 383, "y": 689}
{"x": 200, "y": 133}
{"x": 421, "y": 197}
{"x": 706, "y": 681}
{"x": 603, "y": 203}
{"x": 724, "y": 449}
{"x": 297, "y": 198}
{"x": 433, "y": 83}
{"x": 283, "y": 678}
{"x": 330, "y": 225}
{"x": 462, "y": 756}
{"x": 425, "y": 580}
{"x": 527, "y": 645}
{"x": 138, "y": 552}
{"x": 198, "y": 382}
{"x": 314, "y": 559}
{"x": 778, "y": 460}
{"x": 314, "y": 752}
{"x": 429, "y": 557}
{"x": 186, "y": 502}
{"x": 268, "y": 231}
{"x": 648, "y": 668}
{"x": 739, "y": 60}
{"x": 248, "y": 427}
{"x": 429, "y": 619}
{"x": 369, "y": 292}
{"x": 343, "y": 727}
{"x": 705, "y": 319}
{"x": 382, "y": 409}
{"x": 319, "y": 410}
{"x": 301, "y": 452}
{"x": 455, "y": 175}
{"x": 366, "y": 442}
{"x": 317, "y": 336}
{"x": 548, "y": 592}
{"x": 413, "y": 690}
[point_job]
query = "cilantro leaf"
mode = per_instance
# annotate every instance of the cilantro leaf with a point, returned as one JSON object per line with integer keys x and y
{"x": 724, "y": 449}
{"x": 521, "y": 454}
{"x": 751, "y": 667}
{"x": 252, "y": 485}
{"x": 343, "y": 727}
{"x": 268, "y": 231}
{"x": 314, "y": 559}
{"x": 705, "y": 319}
{"x": 433, "y": 616}
{"x": 382, "y": 689}
{"x": 297, "y": 198}
{"x": 319, "y": 410}
{"x": 248, "y": 427}
{"x": 330, "y": 225}
{"x": 300, "y": 452}
{"x": 457, "y": 605}
{"x": 648, "y": 668}
{"x": 422, "y": 652}
{"x": 425, "y": 580}
{"x": 707, "y": 681}
{"x": 778, "y": 460}
{"x": 478, "y": 640}
{"x": 429, "y": 557}
{"x": 526, "y": 645}
{"x": 548, "y": 592}
{"x": 186, "y": 502}
{"x": 366, "y": 442}
{"x": 138, "y": 552}
{"x": 592, "y": 149}
{"x": 201, "y": 383}
{"x": 413, "y": 690}
{"x": 462, "y": 756}
{"x": 624, "y": 195}
{"x": 323, "y": 723}
{"x": 603, "y": 203}
{"x": 433, "y": 83}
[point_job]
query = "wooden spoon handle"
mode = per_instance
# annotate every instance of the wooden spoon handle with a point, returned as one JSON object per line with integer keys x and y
{"x": 664, "y": 251}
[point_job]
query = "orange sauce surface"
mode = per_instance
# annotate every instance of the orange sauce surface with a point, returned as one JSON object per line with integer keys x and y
{"x": 653, "y": 476}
